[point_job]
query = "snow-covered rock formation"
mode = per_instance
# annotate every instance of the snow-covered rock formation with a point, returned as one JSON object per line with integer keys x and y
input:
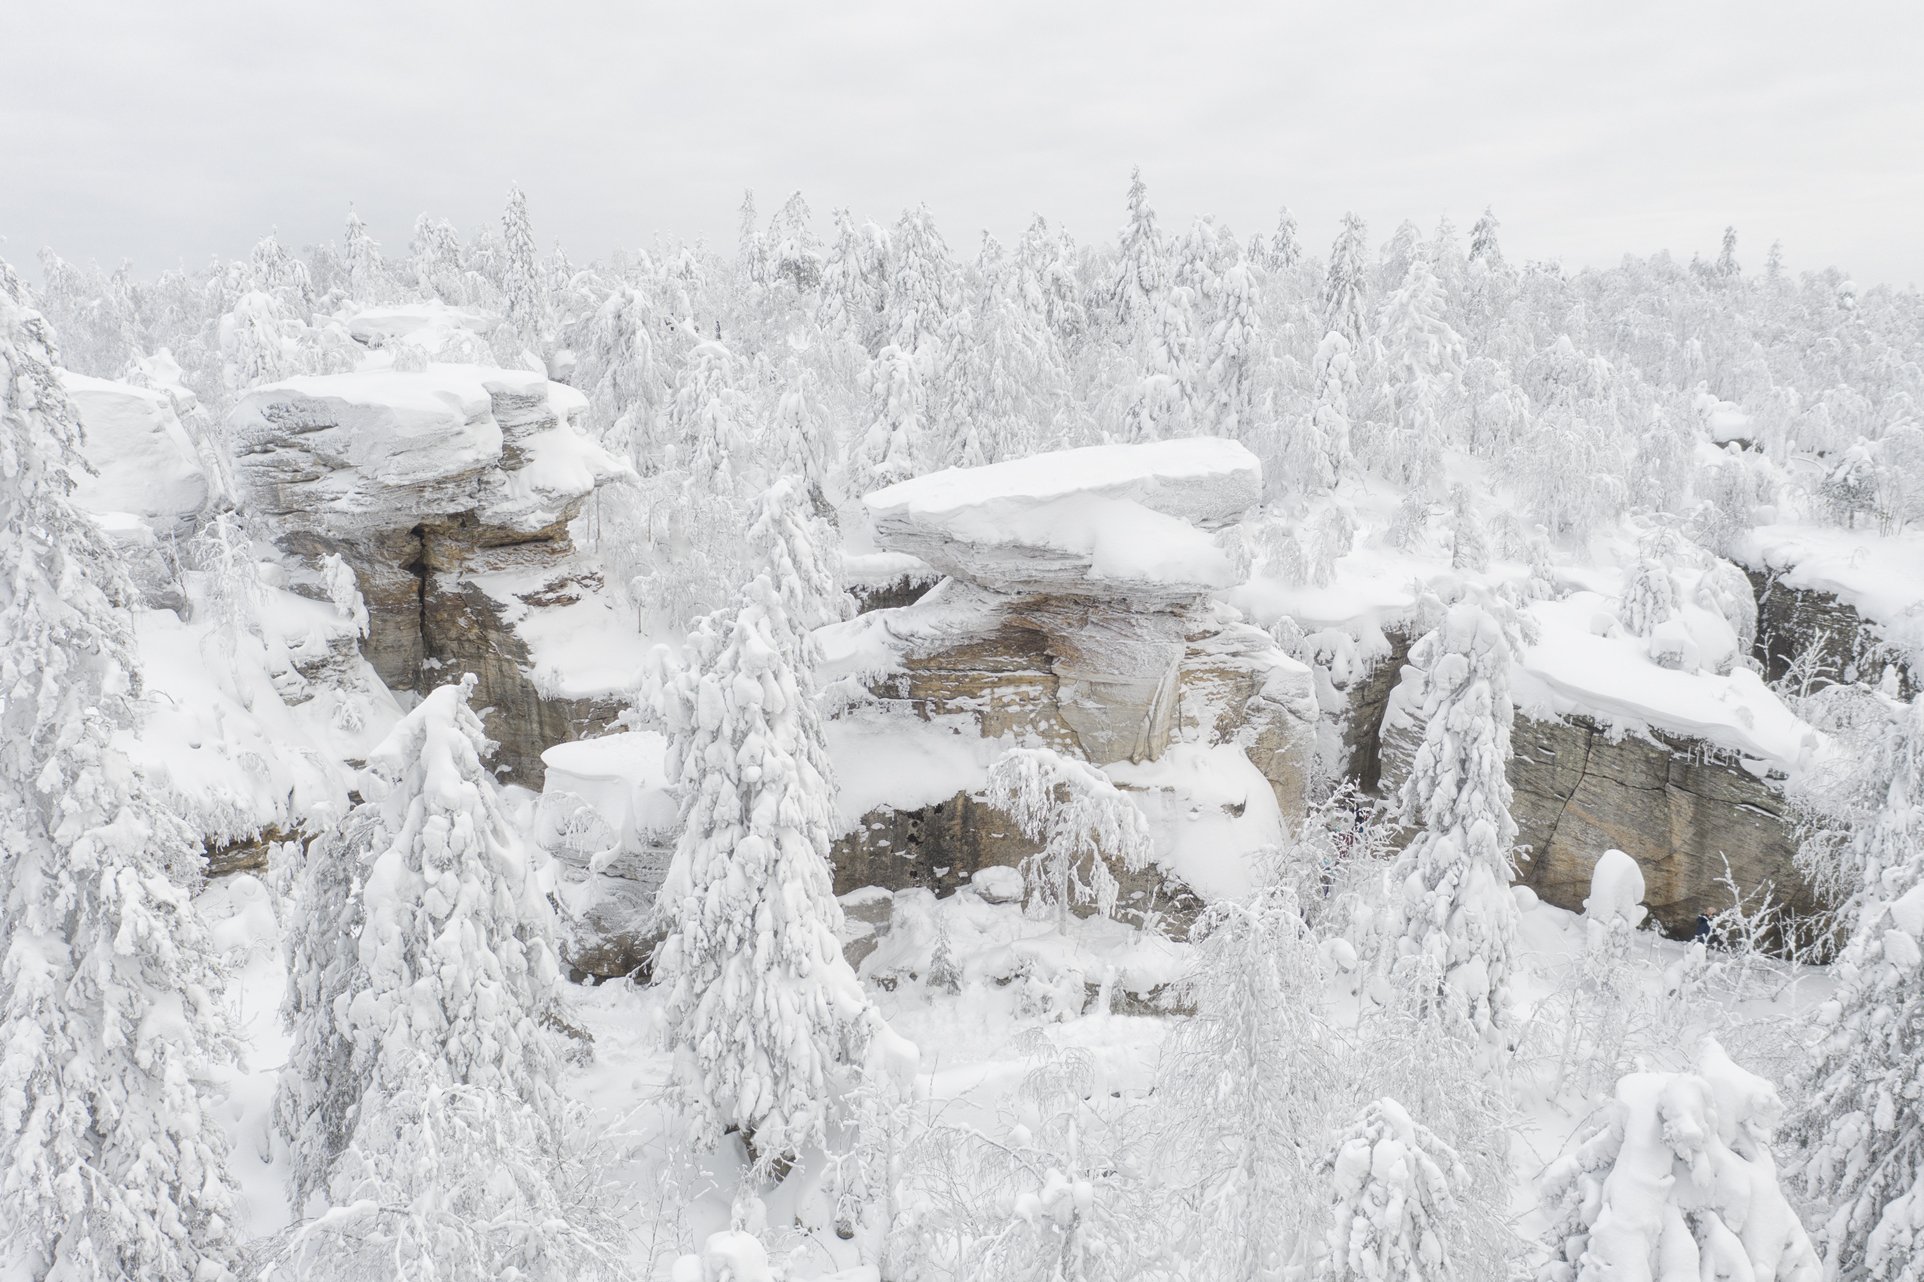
{"x": 449, "y": 492}
{"x": 1077, "y": 613}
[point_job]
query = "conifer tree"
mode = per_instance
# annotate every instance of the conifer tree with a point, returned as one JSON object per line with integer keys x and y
{"x": 366, "y": 274}
{"x": 114, "y": 1160}
{"x": 1454, "y": 918}
{"x": 1135, "y": 294}
{"x": 1344, "y": 285}
{"x": 764, "y": 1015}
{"x": 524, "y": 292}
{"x": 1393, "y": 1187}
{"x": 421, "y": 1097}
{"x": 892, "y": 450}
{"x": 1676, "y": 1183}
{"x": 1861, "y": 1124}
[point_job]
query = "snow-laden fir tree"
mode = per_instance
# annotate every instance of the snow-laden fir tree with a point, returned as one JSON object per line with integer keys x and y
{"x": 1453, "y": 918}
{"x": 420, "y": 1098}
{"x": 1142, "y": 268}
{"x": 621, "y": 374}
{"x": 1082, "y": 822}
{"x": 434, "y": 259}
{"x": 524, "y": 287}
{"x": 1649, "y": 596}
{"x": 710, "y": 423}
{"x": 1285, "y": 247}
{"x": 1345, "y": 284}
{"x": 800, "y": 440}
{"x": 797, "y": 550}
{"x": 1676, "y": 1183}
{"x": 1861, "y": 1122}
{"x": 1392, "y": 1186}
{"x": 366, "y": 274}
{"x": 1232, "y": 354}
{"x": 891, "y": 449}
{"x": 112, "y": 1158}
{"x": 764, "y": 1016}
{"x": 1422, "y": 360}
{"x": 1244, "y": 1086}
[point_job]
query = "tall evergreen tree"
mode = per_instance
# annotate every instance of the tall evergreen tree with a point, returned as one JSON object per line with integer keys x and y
{"x": 1345, "y": 284}
{"x": 110, "y": 1023}
{"x": 764, "y": 1015}
{"x": 1862, "y": 1122}
{"x": 1141, "y": 276}
{"x": 1454, "y": 917}
{"x": 421, "y": 1096}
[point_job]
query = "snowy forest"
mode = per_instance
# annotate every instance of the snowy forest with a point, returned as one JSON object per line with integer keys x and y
{"x": 1323, "y": 754}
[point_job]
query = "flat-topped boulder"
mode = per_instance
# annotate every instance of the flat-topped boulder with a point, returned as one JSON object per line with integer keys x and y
{"x": 143, "y": 462}
{"x": 448, "y": 491}
{"x": 1128, "y": 522}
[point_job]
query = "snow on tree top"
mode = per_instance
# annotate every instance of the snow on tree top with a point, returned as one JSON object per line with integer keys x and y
{"x": 1105, "y": 520}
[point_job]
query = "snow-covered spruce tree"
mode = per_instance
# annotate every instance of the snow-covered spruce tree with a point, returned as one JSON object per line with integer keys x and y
{"x": 764, "y": 1015}
{"x": 524, "y": 287}
{"x": 1861, "y": 1123}
{"x": 710, "y": 423}
{"x": 795, "y": 550}
{"x": 1345, "y": 283}
{"x": 1421, "y": 364}
{"x": 367, "y": 280}
{"x": 1649, "y": 596}
{"x": 1392, "y": 1186}
{"x": 1676, "y": 1183}
{"x": 1452, "y": 914}
{"x": 891, "y": 450}
{"x": 1244, "y": 1087}
{"x": 1142, "y": 269}
{"x": 1082, "y": 821}
{"x": 420, "y": 1097}
{"x": 114, "y": 1162}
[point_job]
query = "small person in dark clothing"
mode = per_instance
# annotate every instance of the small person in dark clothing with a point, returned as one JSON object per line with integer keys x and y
{"x": 1703, "y": 934}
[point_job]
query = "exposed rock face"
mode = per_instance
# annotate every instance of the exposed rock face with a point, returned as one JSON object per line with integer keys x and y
{"x": 1075, "y": 614}
{"x": 1671, "y": 804}
{"x": 1678, "y": 806}
{"x": 426, "y": 484}
{"x": 1792, "y": 621}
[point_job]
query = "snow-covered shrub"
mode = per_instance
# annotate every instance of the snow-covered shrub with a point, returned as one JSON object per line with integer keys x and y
{"x": 1605, "y": 984}
{"x": 1676, "y": 1183}
{"x": 1050, "y": 1194}
{"x": 1082, "y": 821}
{"x": 1392, "y": 1188}
{"x": 1243, "y": 1085}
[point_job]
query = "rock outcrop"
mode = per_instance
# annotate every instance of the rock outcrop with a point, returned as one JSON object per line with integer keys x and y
{"x": 1075, "y": 614}
{"x": 1690, "y": 814}
{"x": 1687, "y": 813}
{"x": 448, "y": 492}
{"x": 1794, "y": 622}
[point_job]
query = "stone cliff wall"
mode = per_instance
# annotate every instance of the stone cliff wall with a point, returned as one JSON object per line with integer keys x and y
{"x": 423, "y": 483}
{"x": 1685, "y": 813}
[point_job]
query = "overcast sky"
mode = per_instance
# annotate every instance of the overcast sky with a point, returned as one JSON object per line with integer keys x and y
{"x": 166, "y": 132}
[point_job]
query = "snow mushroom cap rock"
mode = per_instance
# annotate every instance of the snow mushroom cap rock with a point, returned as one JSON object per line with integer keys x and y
{"x": 1115, "y": 521}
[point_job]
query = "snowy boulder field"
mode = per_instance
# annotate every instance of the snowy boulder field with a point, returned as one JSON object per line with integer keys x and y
{"x": 1126, "y": 521}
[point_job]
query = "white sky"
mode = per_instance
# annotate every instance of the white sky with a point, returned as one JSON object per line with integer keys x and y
{"x": 166, "y": 132}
